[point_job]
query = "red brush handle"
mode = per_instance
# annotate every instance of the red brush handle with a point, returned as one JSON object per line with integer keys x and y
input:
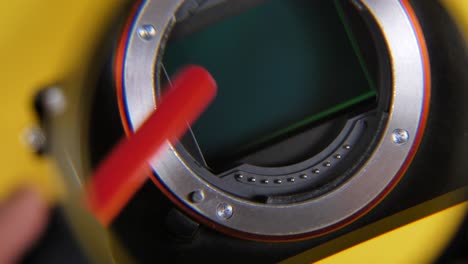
{"x": 125, "y": 170}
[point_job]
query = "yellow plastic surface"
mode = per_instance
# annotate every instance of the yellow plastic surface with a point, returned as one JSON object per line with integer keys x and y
{"x": 42, "y": 42}
{"x": 419, "y": 242}
{"x": 45, "y": 41}
{"x": 459, "y": 10}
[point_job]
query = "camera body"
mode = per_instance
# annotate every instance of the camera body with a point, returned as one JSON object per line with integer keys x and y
{"x": 392, "y": 152}
{"x": 335, "y": 177}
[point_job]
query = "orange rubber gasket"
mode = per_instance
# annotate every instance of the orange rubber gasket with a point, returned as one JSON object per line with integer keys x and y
{"x": 119, "y": 75}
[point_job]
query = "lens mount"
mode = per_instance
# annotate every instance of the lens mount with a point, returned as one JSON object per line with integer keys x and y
{"x": 393, "y": 142}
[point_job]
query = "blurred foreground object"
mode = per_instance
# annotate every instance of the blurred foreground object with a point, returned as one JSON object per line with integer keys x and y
{"x": 125, "y": 169}
{"x": 23, "y": 218}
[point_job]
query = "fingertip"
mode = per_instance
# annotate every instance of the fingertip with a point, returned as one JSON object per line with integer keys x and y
{"x": 23, "y": 219}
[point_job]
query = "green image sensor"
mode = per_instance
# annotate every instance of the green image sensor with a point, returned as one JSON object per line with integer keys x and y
{"x": 280, "y": 66}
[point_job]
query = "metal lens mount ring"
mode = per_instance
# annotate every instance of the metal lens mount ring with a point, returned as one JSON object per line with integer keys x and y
{"x": 138, "y": 82}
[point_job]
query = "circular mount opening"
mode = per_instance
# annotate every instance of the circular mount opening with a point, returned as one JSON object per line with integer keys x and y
{"x": 368, "y": 160}
{"x": 278, "y": 129}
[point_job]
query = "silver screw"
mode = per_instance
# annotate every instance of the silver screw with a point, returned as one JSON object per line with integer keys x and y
{"x": 400, "y": 136}
{"x": 197, "y": 196}
{"x": 304, "y": 176}
{"x": 265, "y": 181}
{"x": 224, "y": 211}
{"x": 338, "y": 156}
{"x": 316, "y": 171}
{"x": 252, "y": 179}
{"x": 146, "y": 32}
{"x": 54, "y": 100}
{"x": 36, "y": 139}
{"x": 347, "y": 147}
{"x": 327, "y": 164}
{"x": 291, "y": 180}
